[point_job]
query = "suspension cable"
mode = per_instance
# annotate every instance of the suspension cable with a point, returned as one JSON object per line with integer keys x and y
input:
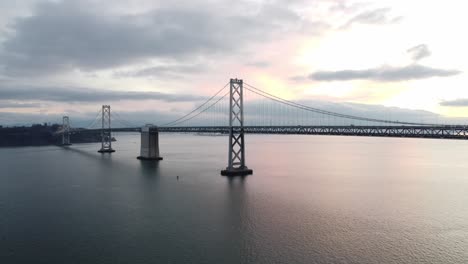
{"x": 123, "y": 121}
{"x": 95, "y": 119}
{"x": 204, "y": 110}
{"x": 207, "y": 101}
{"x": 316, "y": 110}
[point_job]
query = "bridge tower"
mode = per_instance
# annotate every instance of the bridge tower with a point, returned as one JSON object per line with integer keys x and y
{"x": 66, "y": 131}
{"x": 106, "y": 135}
{"x": 236, "y": 156}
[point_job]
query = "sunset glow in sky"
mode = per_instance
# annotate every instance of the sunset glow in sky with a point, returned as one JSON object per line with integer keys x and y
{"x": 63, "y": 56}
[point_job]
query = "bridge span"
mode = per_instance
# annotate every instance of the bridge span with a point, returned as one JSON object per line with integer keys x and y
{"x": 438, "y": 132}
{"x": 266, "y": 114}
{"x": 435, "y": 132}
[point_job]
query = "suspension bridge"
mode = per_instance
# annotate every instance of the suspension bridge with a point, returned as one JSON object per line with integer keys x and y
{"x": 240, "y": 108}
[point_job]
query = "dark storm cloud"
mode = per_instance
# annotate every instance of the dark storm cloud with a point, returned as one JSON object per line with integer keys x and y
{"x": 419, "y": 52}
{"x": 384, "y": 74}
{"x": 68, "y": 35}
{"x": 455, "y": 103}
{"x": 59, "y": 94}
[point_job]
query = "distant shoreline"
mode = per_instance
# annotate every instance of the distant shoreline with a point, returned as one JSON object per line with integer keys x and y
{"x": 41, "y": 135}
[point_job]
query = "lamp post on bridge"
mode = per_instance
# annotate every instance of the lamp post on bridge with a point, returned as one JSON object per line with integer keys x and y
{"x": 236, "y": 156}
{"x": 106, "y": 133}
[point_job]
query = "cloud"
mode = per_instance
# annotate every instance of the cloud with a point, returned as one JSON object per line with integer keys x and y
{"x": 298, "y": 78}
{"x": 80, "y": 95}
{"x": 344, "y": 6}
{"x": 259, "y": 64}
{"x": 455, "y": 103}
{"x": 419, "y": 52}
{"x": 163, "y": 71}
{"x": 384, "y": 74}
{"x": 8, "y": 104}
{"x": 68, "y": 35}
{"x": 374, "y": 16}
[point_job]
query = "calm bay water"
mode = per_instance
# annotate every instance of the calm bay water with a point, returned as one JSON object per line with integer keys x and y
{"x": 312, "y": 199}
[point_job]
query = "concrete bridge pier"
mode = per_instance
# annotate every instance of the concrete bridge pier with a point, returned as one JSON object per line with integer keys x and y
{"x": 149, "y": 149}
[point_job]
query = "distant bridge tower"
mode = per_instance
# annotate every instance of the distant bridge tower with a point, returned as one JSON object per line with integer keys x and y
{"x": 236, "y": 161}
{"x": 106, "y": 135}
{"x": 66, "y": 131}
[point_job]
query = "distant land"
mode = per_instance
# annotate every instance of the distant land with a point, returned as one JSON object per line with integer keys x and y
{"x": 41, "y": 135}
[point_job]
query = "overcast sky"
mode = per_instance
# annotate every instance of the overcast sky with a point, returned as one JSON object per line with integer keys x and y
{"x": 62, "y": 57}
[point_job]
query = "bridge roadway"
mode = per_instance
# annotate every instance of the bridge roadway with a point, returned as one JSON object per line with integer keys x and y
{"x": 441, "y": 132}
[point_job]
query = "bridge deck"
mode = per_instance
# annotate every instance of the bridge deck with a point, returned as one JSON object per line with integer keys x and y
{"x": 448, "y": 132}
{"x": 444, "y": 132}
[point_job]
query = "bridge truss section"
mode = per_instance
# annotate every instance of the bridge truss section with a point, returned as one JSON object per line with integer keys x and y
{"x": 435, "y": 132}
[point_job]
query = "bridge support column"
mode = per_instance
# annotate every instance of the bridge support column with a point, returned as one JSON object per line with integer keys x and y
{"x": 236, "y": 161}
{"x": 66, "y": 131}
{"x": 149, "y": 149}
{"x": 106, "y": 133}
